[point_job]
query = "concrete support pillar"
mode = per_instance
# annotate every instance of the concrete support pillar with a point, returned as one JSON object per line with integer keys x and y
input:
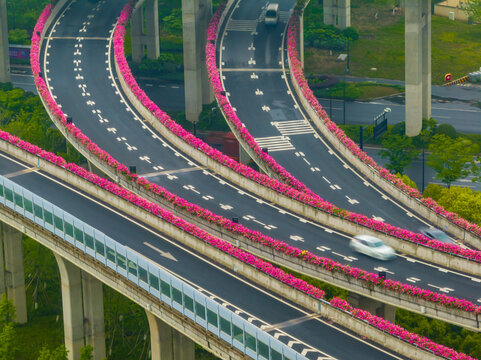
{"x": 14, "y": 273}
{"x": 418, "y": 64}
{"x": 244, "y": 157}
{"x": 161, "y": 345}
{"x": 426, "y": 57}
{"x": 73, "y": 318}
{"x": 145, "y": 38}
{"x": 167, "y": 343}
{"x": 93, "y": 305}
{"x": 195, "y": 17}
{"x": 329, "y": 12}
{"x": 343, "y": 14}
{"x": 387, "y": 312}
{"x": 184, "y": 348}
{"x": 3, "y": 286}
{"x": 4, "y": 57}
{"x": 205, "y": 6}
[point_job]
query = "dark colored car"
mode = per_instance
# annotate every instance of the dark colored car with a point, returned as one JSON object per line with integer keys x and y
{"x": 436, "y": 234}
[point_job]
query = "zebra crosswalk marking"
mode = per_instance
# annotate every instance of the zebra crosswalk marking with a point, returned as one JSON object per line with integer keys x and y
{"x": 242, "y": 25}
{"x": 275, "y": 143}
{"x": 293, "y": 127}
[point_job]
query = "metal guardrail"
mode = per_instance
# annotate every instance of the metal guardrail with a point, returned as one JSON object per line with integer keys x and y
{"x": 180, "y": 296}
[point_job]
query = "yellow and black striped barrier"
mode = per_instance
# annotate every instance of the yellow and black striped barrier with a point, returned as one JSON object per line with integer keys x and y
{"x": 458, "y": 81}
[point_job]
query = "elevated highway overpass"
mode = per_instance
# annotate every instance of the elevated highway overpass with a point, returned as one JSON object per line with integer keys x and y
{"x": 104, "y": 114}
{"x": 64, "y": 37}
{"x": 144, "y": 265}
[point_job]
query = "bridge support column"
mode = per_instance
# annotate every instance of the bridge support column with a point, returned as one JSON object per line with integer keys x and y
{"x": 4, "y": 57}
{"x": 337, "y": 13}
{"x": 72, "y": 307}
{"x": 83, "y": 310}
{"x": 94, "y": 325}
{"x": 387, "y": 312}
{"x": 145, "y": 38}
{"x": 244, "y": 157}
{"x": 195, "y": 17}
{"x": 14, "y": 273}
{"x": 329, "y": 12}
{"x": 418, "y": 64}
{"x": 343, "y": 14}
{"x": 167, "y": 343}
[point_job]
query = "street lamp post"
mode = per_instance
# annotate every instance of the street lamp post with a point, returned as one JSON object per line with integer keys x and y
{"x": 425, "y": 133}
{"x": 12, "y": 4}
{"x": 345, "y": 82}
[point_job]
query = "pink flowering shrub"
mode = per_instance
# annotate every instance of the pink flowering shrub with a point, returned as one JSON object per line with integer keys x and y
{"x": 296, "y": 68}
{"x": 369, "y": 278}
{"x": 399, "y": 332}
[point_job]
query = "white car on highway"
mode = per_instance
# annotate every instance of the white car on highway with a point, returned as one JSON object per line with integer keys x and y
{"x": 372, "y": 246}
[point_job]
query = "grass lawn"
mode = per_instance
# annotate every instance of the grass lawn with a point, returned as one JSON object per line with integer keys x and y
{"x": 358, "y": 91}
{"x": 38, "y": 332}
{"x": 456, "y": 46}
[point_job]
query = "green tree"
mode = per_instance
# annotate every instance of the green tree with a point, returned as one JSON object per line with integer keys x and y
{"x": 8, "y": 343}
{"x": 86, "y": 353}
{"x": 400, "y": 151}
{"x": 473, "y": 8}
{"x": 451, "y": 158}
{"x": 60, "y": 353}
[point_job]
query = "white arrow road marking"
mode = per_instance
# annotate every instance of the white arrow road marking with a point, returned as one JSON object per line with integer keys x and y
{"x": 323, "y": 248}
{"x": 380, "y": 268}
{"x": 165, "y": 254}
{"x": 352, "y": 201}
{"x": 192, "y": 188}
{"x": 443, "y": 289}
{"x": 413, "y": 279}
{"x": 296, "y": 238}
{"x": 378, "y": 218}
{"x": 225, "y": 206}
{"x": 347, "y": 258}
{"x": 259, "y": 92}
{"x": 266, "y": 108}
{"x": 254, "y": 76}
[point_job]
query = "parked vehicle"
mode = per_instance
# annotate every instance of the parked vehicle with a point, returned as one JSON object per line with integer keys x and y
{"x": 436, "y": 234}
{"x": 372, "y": 246}
{"x": 272, "y": 14}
